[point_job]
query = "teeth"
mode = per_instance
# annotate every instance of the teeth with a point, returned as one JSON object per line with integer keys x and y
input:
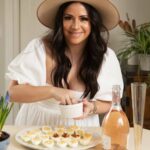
{"x": 76, "y": 34}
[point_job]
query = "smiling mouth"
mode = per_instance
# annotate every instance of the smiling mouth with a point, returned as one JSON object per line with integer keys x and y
{"x": 75, "y": 33}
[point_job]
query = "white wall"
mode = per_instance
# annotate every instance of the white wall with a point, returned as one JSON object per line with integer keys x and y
{"x": 28, "y": 20}
{"x": 2, "y": 49}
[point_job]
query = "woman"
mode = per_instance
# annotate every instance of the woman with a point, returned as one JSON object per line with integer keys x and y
{"x": 71, "y": 63}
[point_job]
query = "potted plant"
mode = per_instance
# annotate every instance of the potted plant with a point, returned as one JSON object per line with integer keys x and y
{"x": 5, "y": 108}
{"x": 138, "y": 42}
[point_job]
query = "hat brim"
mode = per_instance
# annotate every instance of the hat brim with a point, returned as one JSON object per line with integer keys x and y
{"x": 47, "y": 10}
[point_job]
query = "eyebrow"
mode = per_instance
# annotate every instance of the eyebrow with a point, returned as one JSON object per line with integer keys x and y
{"x": 73, "y": 16}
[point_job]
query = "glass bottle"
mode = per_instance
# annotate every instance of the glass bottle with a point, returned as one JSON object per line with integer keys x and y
{"x": 115, "y": 125}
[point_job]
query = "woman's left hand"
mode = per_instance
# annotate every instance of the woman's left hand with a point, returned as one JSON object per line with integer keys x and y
{"x": 87, "y": 109}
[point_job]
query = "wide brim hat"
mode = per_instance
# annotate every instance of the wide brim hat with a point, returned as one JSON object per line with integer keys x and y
{"x": 47, "y": 10}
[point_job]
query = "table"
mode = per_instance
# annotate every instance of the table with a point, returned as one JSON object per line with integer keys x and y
{"x": 15, "y": 146}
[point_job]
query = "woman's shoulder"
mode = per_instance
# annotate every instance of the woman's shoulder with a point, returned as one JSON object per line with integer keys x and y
{"x": 35, "y": 45}
{"x": 33, "y": 51}
{"x": 110, "y": 57}
{"x": 47, "y": 45}
{"x": 39, "y": 48}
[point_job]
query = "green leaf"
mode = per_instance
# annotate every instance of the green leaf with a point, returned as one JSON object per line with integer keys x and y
{"x": 5, "y": 108}
{"x": 136, "y": 42}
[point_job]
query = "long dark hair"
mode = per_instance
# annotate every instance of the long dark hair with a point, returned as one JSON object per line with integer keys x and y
{"x": 92, "y": 56}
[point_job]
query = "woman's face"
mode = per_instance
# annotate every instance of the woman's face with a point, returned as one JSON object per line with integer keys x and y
{"x": 76, "y": 24}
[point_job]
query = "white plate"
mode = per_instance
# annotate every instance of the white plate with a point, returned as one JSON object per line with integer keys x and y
{"x": 95, "y": 141}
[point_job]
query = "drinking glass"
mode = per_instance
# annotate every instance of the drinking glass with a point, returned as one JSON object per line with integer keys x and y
{"x": 138, "y": 93}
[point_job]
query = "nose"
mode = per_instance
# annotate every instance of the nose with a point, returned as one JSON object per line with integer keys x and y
{"x": 75, "y": 24}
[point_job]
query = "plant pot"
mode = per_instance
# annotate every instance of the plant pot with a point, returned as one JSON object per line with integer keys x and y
{"x": 4, "y": 141}
{"x": 133, "y": 59}
{"x": 145, "y": 62}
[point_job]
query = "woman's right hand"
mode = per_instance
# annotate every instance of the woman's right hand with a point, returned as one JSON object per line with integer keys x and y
{"x": 64, "y": 96}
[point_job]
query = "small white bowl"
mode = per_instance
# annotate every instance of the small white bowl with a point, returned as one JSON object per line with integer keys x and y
{"x": 72, "y": 111}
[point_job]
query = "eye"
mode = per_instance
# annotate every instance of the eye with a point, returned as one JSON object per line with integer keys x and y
{"x": 67, "y": 17}
{"x": 84, "y": 18}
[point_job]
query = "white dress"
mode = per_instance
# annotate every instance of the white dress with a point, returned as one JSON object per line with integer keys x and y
{"x": 29, "y": 67}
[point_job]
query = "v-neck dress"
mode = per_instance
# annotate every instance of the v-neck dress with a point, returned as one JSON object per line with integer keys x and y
{"x": 30, "y": 67}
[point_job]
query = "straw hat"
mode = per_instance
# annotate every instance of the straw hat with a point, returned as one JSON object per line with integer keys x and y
{"x": 47, "y": 10}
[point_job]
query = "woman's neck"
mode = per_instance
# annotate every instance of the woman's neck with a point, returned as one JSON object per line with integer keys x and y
{"x": 75, "y": 52}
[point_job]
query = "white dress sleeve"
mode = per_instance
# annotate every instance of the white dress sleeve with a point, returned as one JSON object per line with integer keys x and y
{"x": 29, "y": 65}
{"x": 110, "y": 74}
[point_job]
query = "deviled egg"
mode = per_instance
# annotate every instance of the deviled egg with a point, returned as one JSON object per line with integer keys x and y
{"x": 85, "y": 139}
{"x": 33, "y": 133}
{"x": 46, "y": 129}
{"x": 48, "y": 143}
{"x": 25, "y": 137}
{"x": 60, "y": 131}
{"x": 65, "y": 136}
{"x": 44, "y": 137}
{"x": 61, "y": 143}
{"x": 73, "y": 142}
{"x": 70, "y": 131}
{"x": 75, "y": 136}
{"x": 36, "y": 140}
{"x": 56, "y": 137}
